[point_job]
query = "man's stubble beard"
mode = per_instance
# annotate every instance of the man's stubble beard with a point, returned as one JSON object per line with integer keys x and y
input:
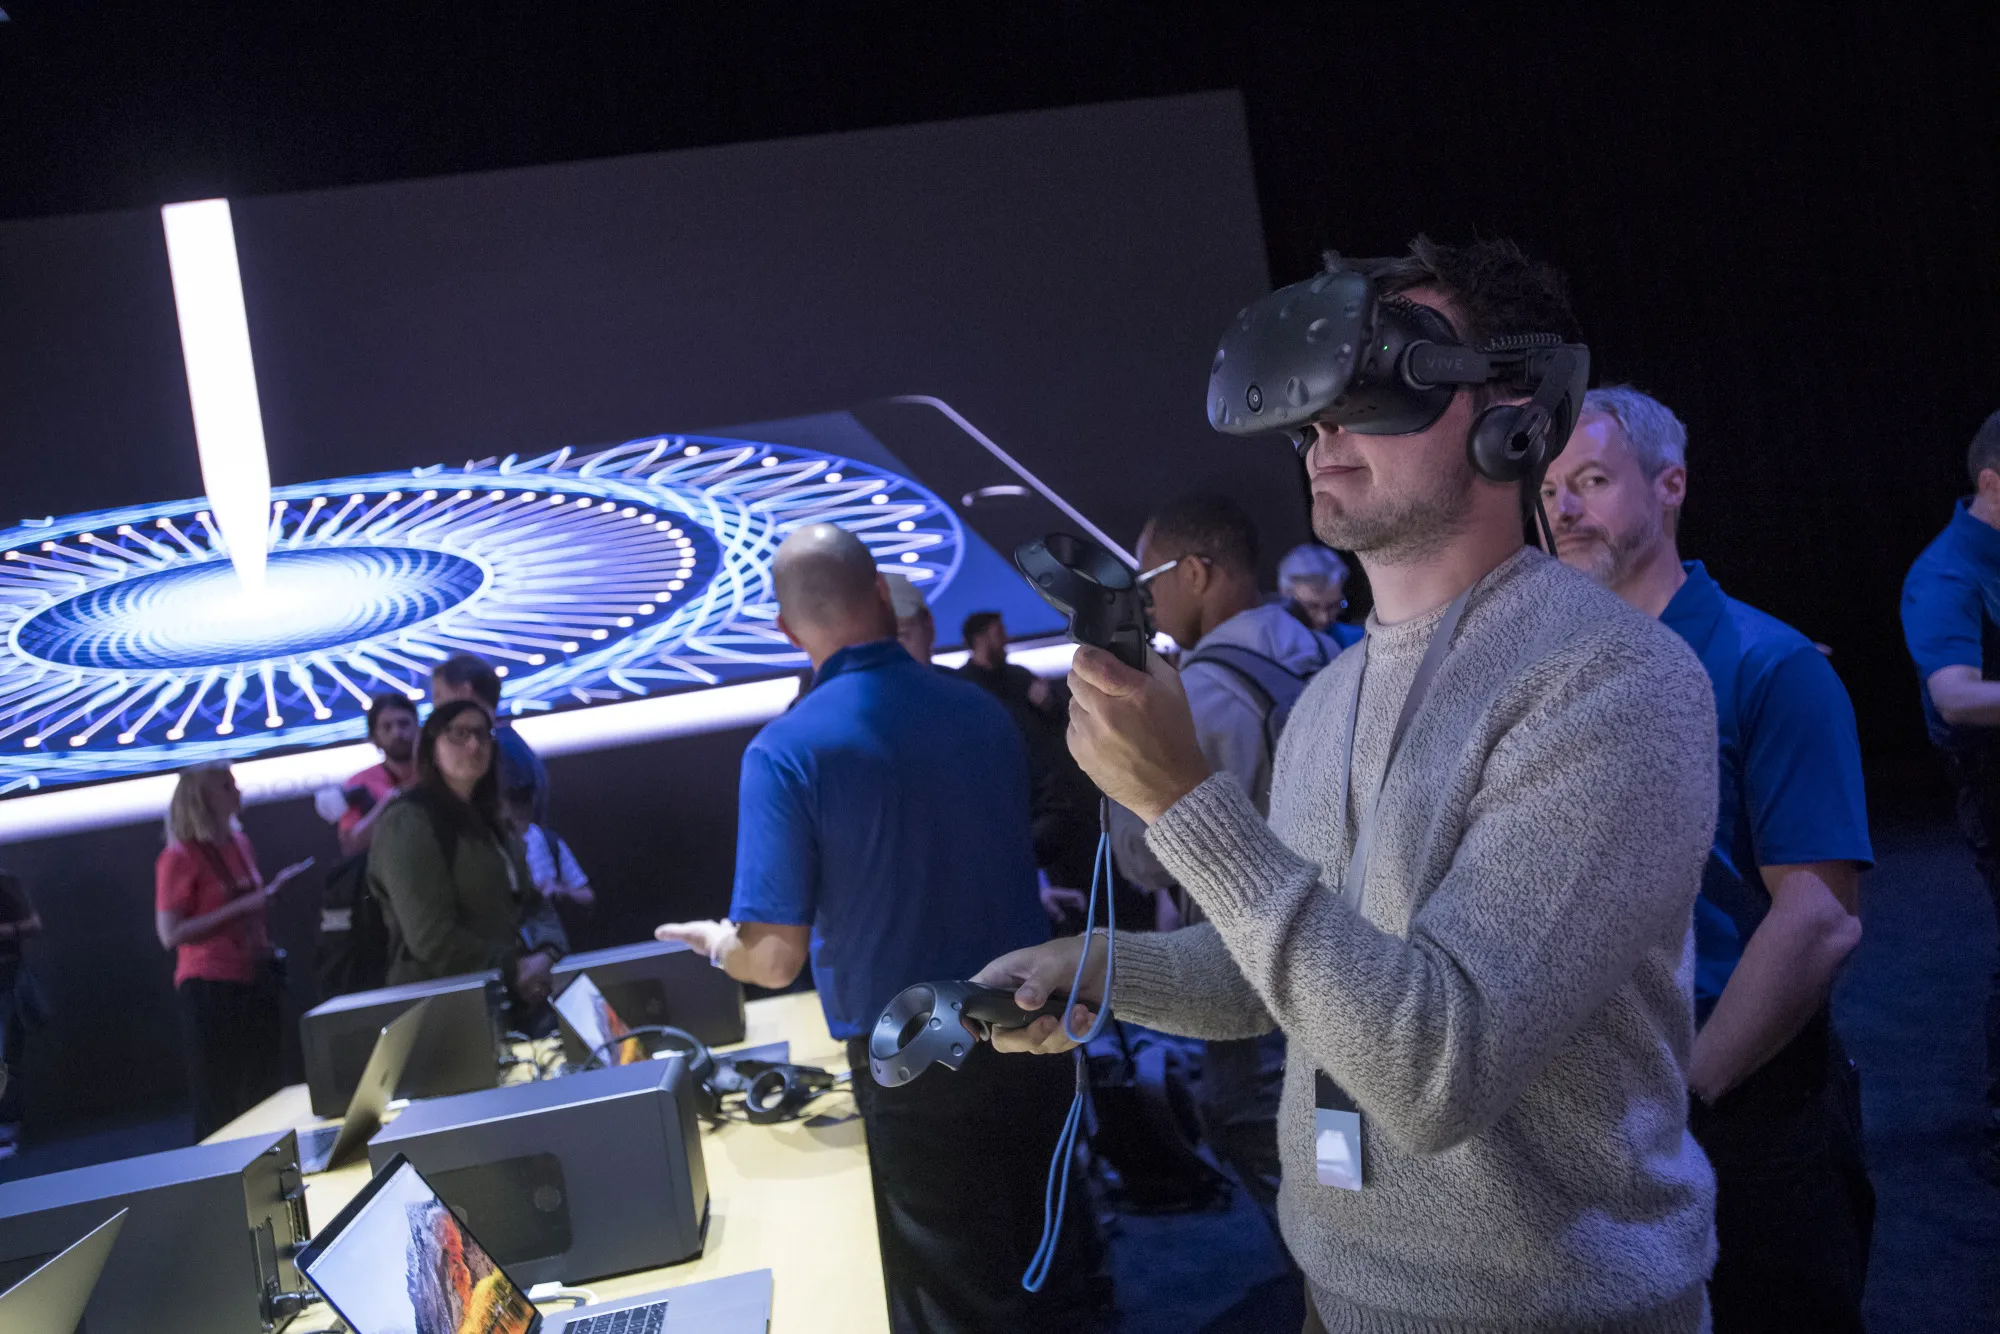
{"x": 1611, "y": 561}
{"x": 1402, "y": 530}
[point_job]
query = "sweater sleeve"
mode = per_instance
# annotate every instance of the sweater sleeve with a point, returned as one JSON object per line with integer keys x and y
{"x": 1580, "y": 851}
{"x": 408, "y": 868}
{"x": 1185, "y": 982}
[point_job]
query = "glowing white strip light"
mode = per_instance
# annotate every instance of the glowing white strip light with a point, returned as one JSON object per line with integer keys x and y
{"x": 286, "y": 777}
{"x": 1039, "y": 657}
{"x": 222, "y": 381}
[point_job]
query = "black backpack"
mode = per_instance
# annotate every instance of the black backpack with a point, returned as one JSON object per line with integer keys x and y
{"x": 356, "y": 959}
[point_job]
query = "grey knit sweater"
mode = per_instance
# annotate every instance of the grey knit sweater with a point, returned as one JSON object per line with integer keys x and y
{"x": 1511, "y": 1008}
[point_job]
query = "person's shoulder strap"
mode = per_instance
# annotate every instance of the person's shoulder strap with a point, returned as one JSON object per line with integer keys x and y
{"x": 1277, "y": 686}
{"x": 1273, "y": 679}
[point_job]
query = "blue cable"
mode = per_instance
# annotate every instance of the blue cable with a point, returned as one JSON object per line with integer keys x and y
{"x": 1056, "y": 1197}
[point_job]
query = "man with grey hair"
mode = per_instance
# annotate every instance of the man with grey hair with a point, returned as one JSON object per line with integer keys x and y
{"x": 1312, "y": 580}
{"x": 883, "y": 830}
{"x": 1775, "y": 1104}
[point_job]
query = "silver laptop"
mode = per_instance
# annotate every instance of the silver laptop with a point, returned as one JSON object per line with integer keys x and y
{"x": 51, "y": 1300}
{"x": 398, "y": 1261}
{"x": 324, "y": 1147}
{"x": 591, "y": 1028}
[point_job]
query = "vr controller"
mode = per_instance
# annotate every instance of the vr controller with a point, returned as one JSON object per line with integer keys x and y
{"x": 921, "y": 1028}
{"x": 1093, "y": 588}
{"x": 1333, "y": 349}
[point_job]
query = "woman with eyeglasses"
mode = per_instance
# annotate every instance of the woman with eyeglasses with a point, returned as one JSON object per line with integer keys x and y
{"x": 453, "y": 876}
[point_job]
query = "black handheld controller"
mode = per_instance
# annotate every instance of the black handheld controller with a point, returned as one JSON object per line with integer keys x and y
{"x": 921, "y": 1027}
{"x": 1093, "y": 588}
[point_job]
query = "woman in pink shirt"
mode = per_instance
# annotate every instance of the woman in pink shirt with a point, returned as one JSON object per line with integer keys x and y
{"x": 208, "y": 907}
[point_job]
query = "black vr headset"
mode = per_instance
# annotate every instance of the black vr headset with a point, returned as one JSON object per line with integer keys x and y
{"x": 1333, "y": 349}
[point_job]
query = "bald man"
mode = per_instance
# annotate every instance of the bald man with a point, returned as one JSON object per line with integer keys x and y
{"x": 884, "y": 833}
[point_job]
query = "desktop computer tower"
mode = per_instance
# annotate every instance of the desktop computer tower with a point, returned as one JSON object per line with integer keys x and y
{"x": 459, "y": 1050}
{"x": 567, "y": 1179}
{"x": 658, "y": 982}
{"x": 206, "y": 1249}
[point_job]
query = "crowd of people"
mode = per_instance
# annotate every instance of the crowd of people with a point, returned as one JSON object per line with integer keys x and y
{"x": 448, "y": 866}
{"x": 1507, "y": 921}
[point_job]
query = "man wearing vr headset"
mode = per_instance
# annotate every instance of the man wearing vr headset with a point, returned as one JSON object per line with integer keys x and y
{"x": 1469, "y": 909}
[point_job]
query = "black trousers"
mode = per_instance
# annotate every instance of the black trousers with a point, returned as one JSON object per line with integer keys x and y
{"x": 1794, "y": 1209}
{"x": 960, "y": 1161}
{"x": 1975, "y": 772}
{"x": 230, "y": 1035}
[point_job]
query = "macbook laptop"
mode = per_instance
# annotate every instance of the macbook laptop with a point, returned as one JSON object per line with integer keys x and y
{"x": 324, "y": 1147}
{"x": 591, "y": 1028}
{"x": 51, "y": 1300}
{"x": 398, "y": 1261}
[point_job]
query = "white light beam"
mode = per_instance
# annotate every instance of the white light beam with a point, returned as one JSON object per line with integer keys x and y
{"x": 222, "y": 380}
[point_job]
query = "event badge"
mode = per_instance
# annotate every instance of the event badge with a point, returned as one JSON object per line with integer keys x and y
{"x": 1336, "y": 1134}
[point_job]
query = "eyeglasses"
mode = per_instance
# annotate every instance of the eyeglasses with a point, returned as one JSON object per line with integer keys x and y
{"x": 466, "y": 736}
{"x": 1144, "y": 580}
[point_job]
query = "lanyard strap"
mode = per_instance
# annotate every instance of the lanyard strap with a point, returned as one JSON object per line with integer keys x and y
{"x": 1356, "y": 880}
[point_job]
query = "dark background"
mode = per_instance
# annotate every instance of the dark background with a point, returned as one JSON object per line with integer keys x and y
{"x": 1781, "y": 220}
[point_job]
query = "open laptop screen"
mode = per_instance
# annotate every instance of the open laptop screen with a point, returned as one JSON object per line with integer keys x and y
{"x": 400, "y": 1262}
{"x": 584, "y": 1008}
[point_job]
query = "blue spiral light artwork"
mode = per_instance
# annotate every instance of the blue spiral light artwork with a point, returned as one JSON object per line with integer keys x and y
{"x": 132, "y": 647}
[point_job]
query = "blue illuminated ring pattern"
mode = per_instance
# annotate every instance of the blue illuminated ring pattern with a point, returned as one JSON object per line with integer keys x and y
{"x": 191, "y": 615}
{"x": 631, "y": 571}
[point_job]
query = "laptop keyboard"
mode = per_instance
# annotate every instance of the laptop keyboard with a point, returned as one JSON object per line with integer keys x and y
{"x": 648, "y": 1319}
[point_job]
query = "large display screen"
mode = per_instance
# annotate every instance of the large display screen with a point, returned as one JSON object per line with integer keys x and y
{"x": 270, "y": 456}
{"x": 587, "y": 577}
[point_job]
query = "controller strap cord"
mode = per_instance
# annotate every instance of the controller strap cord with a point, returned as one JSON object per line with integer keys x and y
{"x": 1056, "y": 1197}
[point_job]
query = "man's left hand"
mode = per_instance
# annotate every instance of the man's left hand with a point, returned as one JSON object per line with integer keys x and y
{"x": 1133, "y": 732}
{"x": 710, "y": 937}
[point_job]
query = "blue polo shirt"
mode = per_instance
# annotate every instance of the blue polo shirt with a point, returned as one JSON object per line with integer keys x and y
{"x": 888, "y": 810}
{"x": 1790, "y": 767}
{"x": 1951, "y": 602}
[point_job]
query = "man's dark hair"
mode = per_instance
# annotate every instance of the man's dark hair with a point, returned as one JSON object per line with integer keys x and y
{"x": 469, "y": 670}
{"x": 1985, "y": 450}
{"x": 1493, "y": 286}
{"x": 977, "y": 624}
{"x": 387, "y": 702}
{"x": 1206, "y": 524}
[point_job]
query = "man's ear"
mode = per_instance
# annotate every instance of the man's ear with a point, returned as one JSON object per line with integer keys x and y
{"x": 1671, "y": 486}
{"x": 1200, "y": 573}
{"x": 1988, "y": 486}
{"x": 786, "y": 630}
